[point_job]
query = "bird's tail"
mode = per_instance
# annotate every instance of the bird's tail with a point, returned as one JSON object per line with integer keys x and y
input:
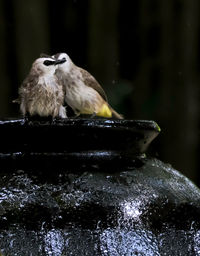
{"x": 115, "y": 114}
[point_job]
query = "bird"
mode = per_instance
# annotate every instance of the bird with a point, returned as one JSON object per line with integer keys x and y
{"x": 82, "y": 91}
{"x": 41, "y": 93}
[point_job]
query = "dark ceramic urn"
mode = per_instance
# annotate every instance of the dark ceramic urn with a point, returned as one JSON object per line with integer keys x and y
{"x": 85, "y": 187}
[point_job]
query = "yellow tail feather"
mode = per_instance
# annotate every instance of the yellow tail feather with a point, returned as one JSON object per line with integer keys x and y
{"x": 105, "y": 111}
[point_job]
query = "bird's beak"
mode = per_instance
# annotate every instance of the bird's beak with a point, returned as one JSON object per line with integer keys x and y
{"x": 59, "y": 61}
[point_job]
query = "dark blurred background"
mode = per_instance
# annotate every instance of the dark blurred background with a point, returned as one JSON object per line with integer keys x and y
{"x": 145, "y": 53}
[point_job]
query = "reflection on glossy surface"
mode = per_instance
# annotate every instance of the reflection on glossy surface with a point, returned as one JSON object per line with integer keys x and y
{"x": 150, "y": 210}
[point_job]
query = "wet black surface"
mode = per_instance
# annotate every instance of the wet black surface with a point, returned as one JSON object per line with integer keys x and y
{"x": 88, "y": 140}
{"x": 136, "y": 207}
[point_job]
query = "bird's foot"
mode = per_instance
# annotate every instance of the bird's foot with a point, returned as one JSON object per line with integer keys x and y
{"x": 77, "y": 114}
{"x": 93, "y": 115}
{"x": 53, "y": 121}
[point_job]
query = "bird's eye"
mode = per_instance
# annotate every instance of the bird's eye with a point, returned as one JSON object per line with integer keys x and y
{"x": 63, "y": 60}
{"x": 48, "y": 62}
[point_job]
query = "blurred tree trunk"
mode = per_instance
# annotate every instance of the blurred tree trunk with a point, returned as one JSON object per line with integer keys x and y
{"x": 103, "y": 39}
{"x": 190, "y": 106}
{"x": 179, "y": 101}
{"x": 142, "y": 83}
{"x": 32, "y": 32}
{"x": 5, "y": 101}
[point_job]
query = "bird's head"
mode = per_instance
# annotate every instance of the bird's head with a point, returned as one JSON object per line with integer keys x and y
{"x": 63, "y": 61}
{"x": 44, "y": 65}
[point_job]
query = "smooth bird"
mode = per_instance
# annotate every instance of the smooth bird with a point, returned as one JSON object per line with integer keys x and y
{"x": 82, "y": 91}
{"x": 41, "y": 92}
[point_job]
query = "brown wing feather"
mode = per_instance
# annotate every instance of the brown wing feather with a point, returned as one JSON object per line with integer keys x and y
{"x": 31, "y": 79}
{"x": 28, "y": 83}
{"x": 90, "y": 81}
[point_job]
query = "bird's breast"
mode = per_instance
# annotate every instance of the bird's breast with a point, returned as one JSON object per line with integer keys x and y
{"x": 47, "y": 97}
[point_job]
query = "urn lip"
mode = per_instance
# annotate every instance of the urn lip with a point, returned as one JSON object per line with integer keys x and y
{"x": 78, "y": 139}
{"x": 88, "y": 122}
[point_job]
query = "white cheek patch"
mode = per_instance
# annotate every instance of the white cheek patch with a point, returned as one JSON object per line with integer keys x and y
{"x": 49, "y": 70}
